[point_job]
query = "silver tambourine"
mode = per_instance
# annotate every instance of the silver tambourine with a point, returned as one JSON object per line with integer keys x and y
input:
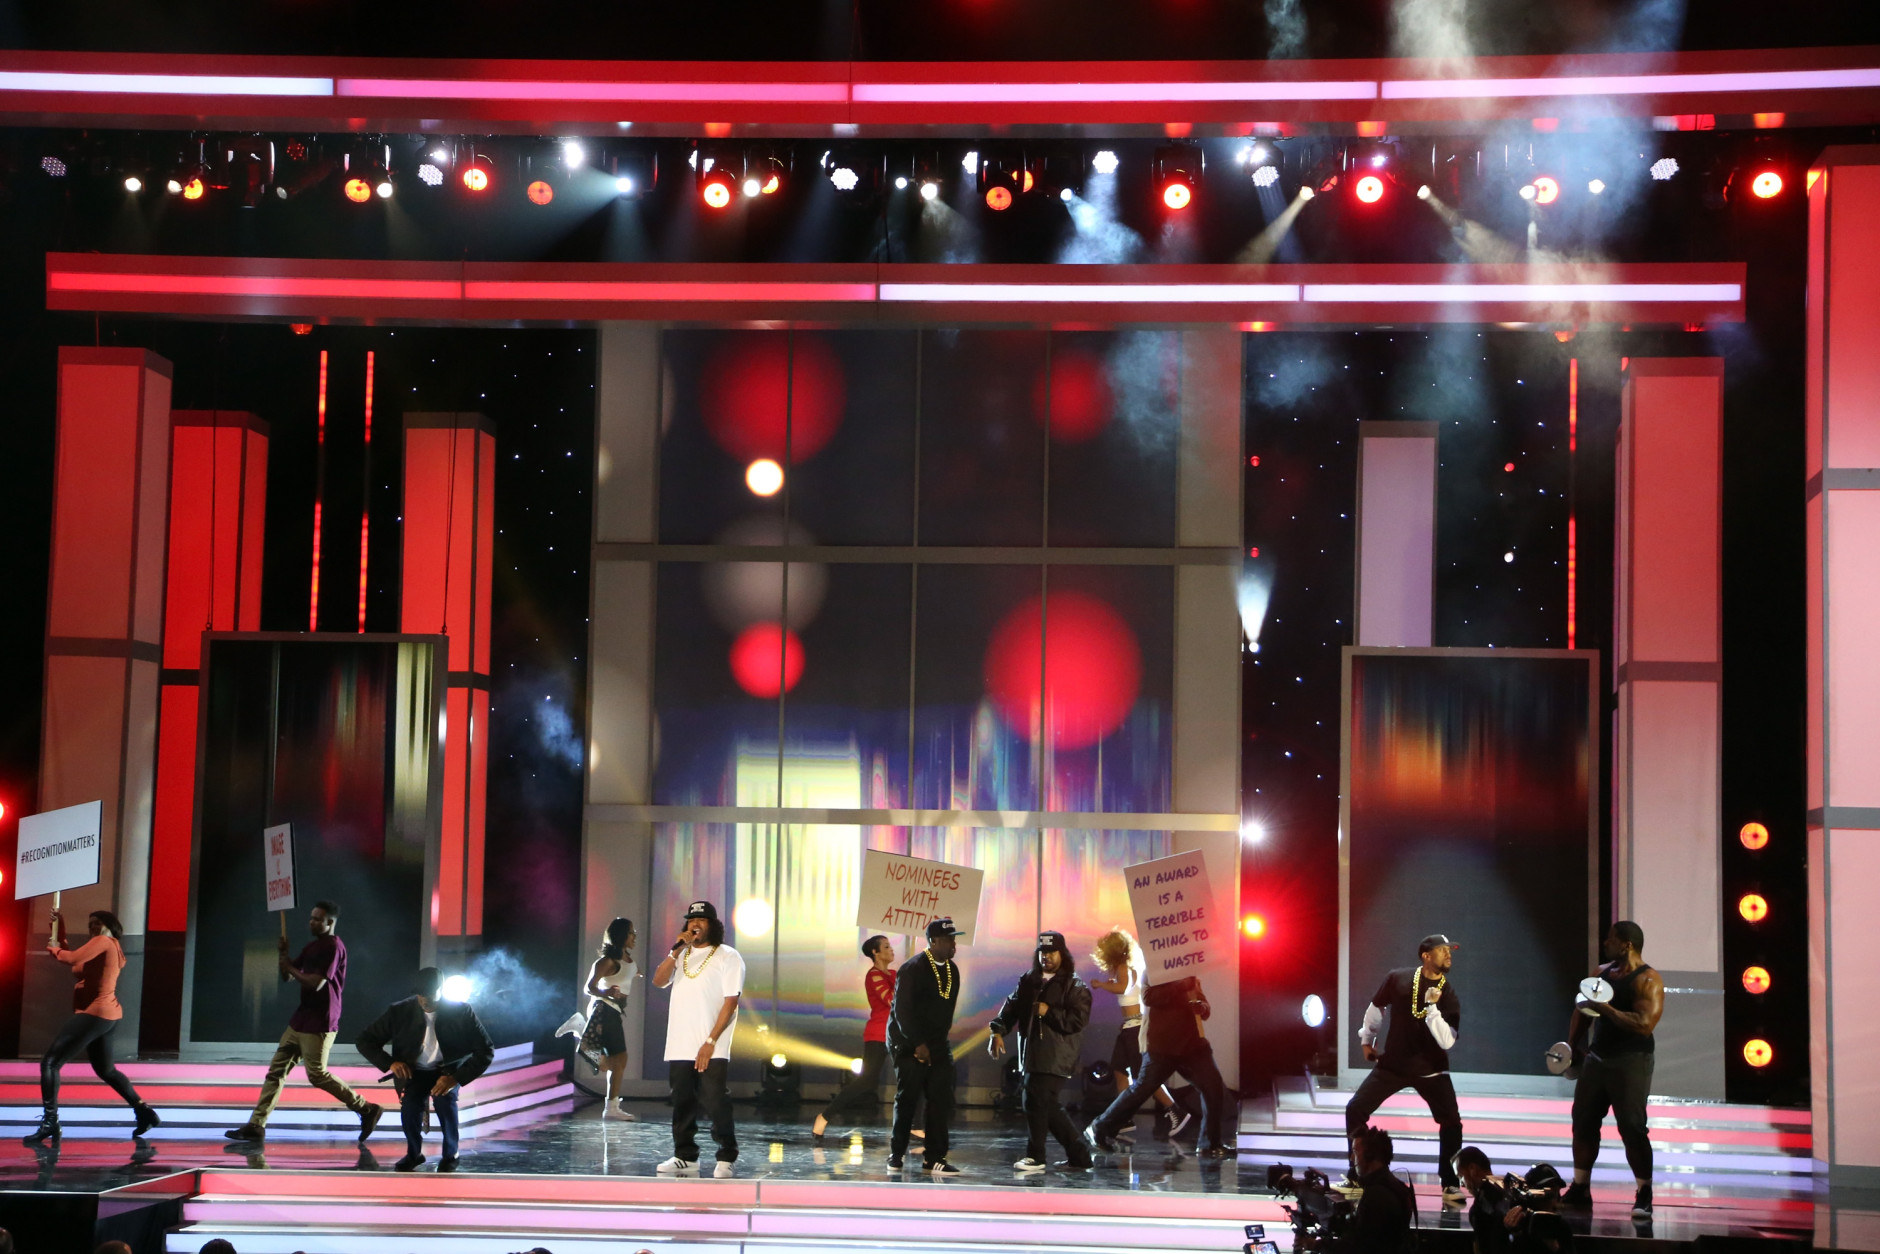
{"x": 1593, "y": 989}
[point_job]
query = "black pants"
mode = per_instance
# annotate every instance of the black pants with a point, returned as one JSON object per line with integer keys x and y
{"x": 1197, "y": 1067}
{"x": 704, "y": 1092}
{"x": 412, "y": 1099}
{"x": 1619, "y": 1083}
{"x": 1434, "y": 1089}
{"x": 1044, "y": 1112}
{"x": 93, "y": 1035}
{"x": 861, "y": 1090}
{"x": 915, "y": 1081}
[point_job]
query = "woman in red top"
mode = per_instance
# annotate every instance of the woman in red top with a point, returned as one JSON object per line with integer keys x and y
{"x": 864, "y": 1087}
{"x": 96, "y": 1012}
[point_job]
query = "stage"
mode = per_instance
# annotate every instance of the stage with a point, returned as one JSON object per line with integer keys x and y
{"x": 539, "y": 1167}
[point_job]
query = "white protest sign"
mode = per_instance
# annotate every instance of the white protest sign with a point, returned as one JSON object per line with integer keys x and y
{"x": 277, "y": 858}
{"x": 58, "y": 850}
{"x": 1174, "y": 911}
{"x": 902, "y": 894}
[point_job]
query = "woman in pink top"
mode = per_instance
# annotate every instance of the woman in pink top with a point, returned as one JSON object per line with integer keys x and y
{"x": 95, "y": 1014}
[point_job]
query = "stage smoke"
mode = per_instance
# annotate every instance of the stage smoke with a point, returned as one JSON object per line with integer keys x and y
{"x": 1286, "y": 30}
{"x": 1261, "y": 248}
{"x": 1099, "y": 239}
{"x": 1253, "y": 593}
{"x": 515, "y": 1003}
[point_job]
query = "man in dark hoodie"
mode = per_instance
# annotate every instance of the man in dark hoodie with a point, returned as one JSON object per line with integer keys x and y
{"x": 1049, "y": 1010}
{"x": 926, "y": 993}
{"x": 432, "y": 1048}
{"x": 1173, "y": 1044}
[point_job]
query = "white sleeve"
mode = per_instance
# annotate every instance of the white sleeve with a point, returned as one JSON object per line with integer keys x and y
{"x": 1439, "y": 1028}
{"x": 733, "y": 978}
{"x": 1373, "y": 1023}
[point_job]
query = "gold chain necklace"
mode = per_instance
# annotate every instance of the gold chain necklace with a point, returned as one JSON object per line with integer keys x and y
{"x": 942, "y": 973}
{"x": 685, "y": 962}
{"x": 1417, "y": 1008}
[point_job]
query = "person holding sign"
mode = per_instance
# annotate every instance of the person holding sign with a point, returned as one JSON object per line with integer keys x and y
{"x": 321, "y": 973}
{"x": 1118, "y": 954}
{"x": 706, "y": 977}
{"x": 95, "y": 1015}
{"x": 1172, "y": 1018}
{"x": 1049, "y": 1010}
{"x": 1425, "y": 1015}
{"x": 926, "y": 993}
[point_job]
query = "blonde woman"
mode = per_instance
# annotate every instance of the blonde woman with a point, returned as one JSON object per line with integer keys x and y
{"x": 1120, "y": 959}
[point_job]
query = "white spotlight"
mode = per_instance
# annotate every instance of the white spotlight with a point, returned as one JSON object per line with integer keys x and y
{"x": 752, "y": 187}
{"x": 970, "y": 163}
{"x": 1253, "y": 831}
{"x": 1423, "y": 192}
{"x": 430, "y": 175}
{"x": 1312, "y": 1010}
{"x": 753, "y": 917}
{"x": 1104, "y": 162}
{"x": 572, "y": 153}
{"x": 133, "y": 184}
{"x": 439, "y": 155}
{"x": 1266, "y": 176}
{"x": 1377, "y": 161}
{"x": 764, "y": 477}
{"x": 779, "y": 1061}
{"x": 900, "y": 183}
{"x": 1528, "y": 192}
{"x": 624, "y": 185}
{"x": 1664, "y": 168}
{"x": 844, "y": 178}
{"x": 1067, "y": 195}
{"x": 1508, "y": 556}
{"x": 929, "y": 190}
{"x": 456, "y": 988}
{"x": 1596, "y": 186}
{"x": 855, "y": 1066}
{"x": 384, "y": 189}
{"x": 1305, "y": 193}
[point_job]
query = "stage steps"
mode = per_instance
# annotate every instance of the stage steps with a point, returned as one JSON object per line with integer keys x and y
{"x": 277, "y": 1212}
{"x": 194, "y": 1097}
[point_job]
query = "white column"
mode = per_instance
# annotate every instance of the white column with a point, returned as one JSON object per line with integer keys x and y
{"x": 1396, "y": 558}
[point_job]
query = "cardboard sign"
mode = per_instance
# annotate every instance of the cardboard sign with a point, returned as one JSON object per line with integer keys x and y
{"x": 1174, "y": 910}
{"x": 277, "y": 858}
{"x": 901, "y": 894}
{"x": 58, "y": 850}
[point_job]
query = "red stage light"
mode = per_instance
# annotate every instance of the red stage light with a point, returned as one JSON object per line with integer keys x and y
{"x": 193, "y": 189}
{"x": 476, "y": 178}
{"x": 1753, "y": 835}
{"x": 1508, "y": 467}
{"x": 1753, "y": 907}
{"x": 1080, "y": 398}
{"x": 1756, "y": 979}
{"x": 1546, "y": 190}
{"x": 998, "y": 198}
{"x": 1254, "y": 460}
{"x": 1767, "y": 184}
{"x": 1758, "y": 1053}
{"x": 357, "y": 190}
{"x": 1370, "y": 189}
{"x": 1254, "y": 926}
{"x": 757, "y": 385}
{"x": 1177, "y": 195}
{"x": 540, "y": 193}
{"x": 716, "y": 191}
{"x": 1092, "y": 669}
{"x": 766, "y": 659}
{"x": 301, "y": 328}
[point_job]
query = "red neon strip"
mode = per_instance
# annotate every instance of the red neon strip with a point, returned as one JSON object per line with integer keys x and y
{"x": 365, "y": 505}
{"x": 1573, "y": 530}
{"x": 251, "y": 285}
{"x": 1573, "y": 404}
{"x": 523, "y": 289}
{"x": 313, "y": 605}
{"x": 648, "y": 93}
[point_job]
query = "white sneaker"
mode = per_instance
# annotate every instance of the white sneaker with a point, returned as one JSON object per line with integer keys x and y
{"x": 572, "y": 1024}
{"x": 1028, "y": 1164}
{"x": 676, "y": 1166}
{"x": 724, "y": 1171}
{"x": 1179, "y": 1124}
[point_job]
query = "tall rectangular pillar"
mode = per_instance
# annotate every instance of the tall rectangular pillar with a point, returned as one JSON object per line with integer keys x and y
{"x": 449, "y": 527}
{"x": 1843, "y": 731}
{"x": 104, "y": 629}
{"x": 1668, "y": 653}
{"x": 1396, "y": 560}
{"x": 211, "y": 582}
{"x": 1207, "y": 654}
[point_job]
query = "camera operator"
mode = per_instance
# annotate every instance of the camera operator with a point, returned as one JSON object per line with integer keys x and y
{"x": 1385, "y": 1208}
{"x": 1488, "y": 1212}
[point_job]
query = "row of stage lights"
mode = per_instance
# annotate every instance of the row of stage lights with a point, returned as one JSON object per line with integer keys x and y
{"x": 1753, "y": 908}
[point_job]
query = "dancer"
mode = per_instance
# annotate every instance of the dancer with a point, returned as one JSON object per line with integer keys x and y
{"x": 1049, "y": 1009}
{"x": 95, "y": 1014}
{"x": 1172, "y": 1018}
{"x": 863, "y": 1088}
{"x": 926, "y": 993}
{"x": 321, "y": 973}
{"x": 609, "y": 982}
{"x": 1425, "y": 1015}
{"x": 700, "y": 1022}
{"x": 1118, "y": 953}
{"x": 435, "y": 1048}
{"x": 1616, "y": 1067}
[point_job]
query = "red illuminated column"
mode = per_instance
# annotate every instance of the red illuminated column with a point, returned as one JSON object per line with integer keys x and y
{"x": 104, "y": 627}
{"x": 212, "y": 582}
{"x": 1843, "y": 733}
{"x": 449, "y": 523}
{"x": 1666, "y": 801}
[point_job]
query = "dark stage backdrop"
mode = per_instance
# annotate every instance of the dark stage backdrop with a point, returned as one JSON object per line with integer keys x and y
{"x": 1469, "y": 811}
{"x": 337, "y": 736}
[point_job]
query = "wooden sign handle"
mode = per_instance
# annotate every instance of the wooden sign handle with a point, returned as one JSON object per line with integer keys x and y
{"x": 56, "y": 894}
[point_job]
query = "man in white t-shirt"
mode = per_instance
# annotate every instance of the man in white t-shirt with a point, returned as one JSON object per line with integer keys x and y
{"x": 706, "y": 977}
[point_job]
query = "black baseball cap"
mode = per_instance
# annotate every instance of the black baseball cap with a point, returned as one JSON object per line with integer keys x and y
{"x": 1052, "y": 940}
{"x": 701, "y": 910}
{"x": 941, "y": 927}
{"x": 1433, "y": 940}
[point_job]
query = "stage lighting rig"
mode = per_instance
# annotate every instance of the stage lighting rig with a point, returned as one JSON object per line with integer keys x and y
{"x": 1368, "y": 188}
{"x": 1104, "y": 162}
{"x": 478, "y": 174}
{"x": 1178, "y": 172}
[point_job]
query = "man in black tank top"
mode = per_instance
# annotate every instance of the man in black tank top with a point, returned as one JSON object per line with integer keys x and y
{"x": 1616, "y": 1065}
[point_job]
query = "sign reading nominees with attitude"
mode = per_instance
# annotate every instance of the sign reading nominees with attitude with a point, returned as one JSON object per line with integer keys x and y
{"x": 901, "y": 895}
{"x": 1174, "y": 911}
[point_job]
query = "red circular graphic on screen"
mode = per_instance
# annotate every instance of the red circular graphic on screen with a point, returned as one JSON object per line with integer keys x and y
{"x": 1091, "y": 679}
{"x": 1080, "y": 397}
{"x": 755, "y": 661}
{"x": 747, "y": 389}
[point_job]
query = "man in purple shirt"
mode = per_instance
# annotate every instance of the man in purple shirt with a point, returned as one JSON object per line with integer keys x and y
{"x": 321, "y": 973}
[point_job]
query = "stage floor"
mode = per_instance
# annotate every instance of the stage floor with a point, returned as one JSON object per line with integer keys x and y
{"x": 564, "y": 1178}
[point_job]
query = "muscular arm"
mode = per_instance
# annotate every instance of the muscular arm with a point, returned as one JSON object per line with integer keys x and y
{"x": 1648, "y": 1007}
{"x": 594, "y": 988}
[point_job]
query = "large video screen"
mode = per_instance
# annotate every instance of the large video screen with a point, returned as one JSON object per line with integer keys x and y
{"x": 1470, "y": 783}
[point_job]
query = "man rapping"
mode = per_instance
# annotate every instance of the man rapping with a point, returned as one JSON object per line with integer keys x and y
{"x": 1425, "y": 1015}
{"x": 706, "y": 977}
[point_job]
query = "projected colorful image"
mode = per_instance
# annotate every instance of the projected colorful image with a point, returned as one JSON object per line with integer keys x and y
{"x": 1469, "y": 814}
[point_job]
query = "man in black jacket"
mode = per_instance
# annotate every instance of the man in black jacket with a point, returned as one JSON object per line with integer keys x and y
{"x": 431, "y": 1048}
{"x": 1049, "y": 1009}
{"x": 1382, "y": 1223}
{"x": 926, "y": 991}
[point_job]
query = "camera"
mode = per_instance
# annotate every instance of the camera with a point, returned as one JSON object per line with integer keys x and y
{"x": 1322, "y": 1213}
{"x": 1537, "y": 1192}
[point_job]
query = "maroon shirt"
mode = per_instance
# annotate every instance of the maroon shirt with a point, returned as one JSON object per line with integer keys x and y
{"x": 319, "y": 1009}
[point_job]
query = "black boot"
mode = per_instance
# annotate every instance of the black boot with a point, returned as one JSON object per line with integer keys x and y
{"x": 48, "y": 1129}
{"x": 147, "y": 1118}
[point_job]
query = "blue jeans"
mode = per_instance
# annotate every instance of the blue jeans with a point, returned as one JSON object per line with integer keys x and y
{"x": 411, "y": 1112}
